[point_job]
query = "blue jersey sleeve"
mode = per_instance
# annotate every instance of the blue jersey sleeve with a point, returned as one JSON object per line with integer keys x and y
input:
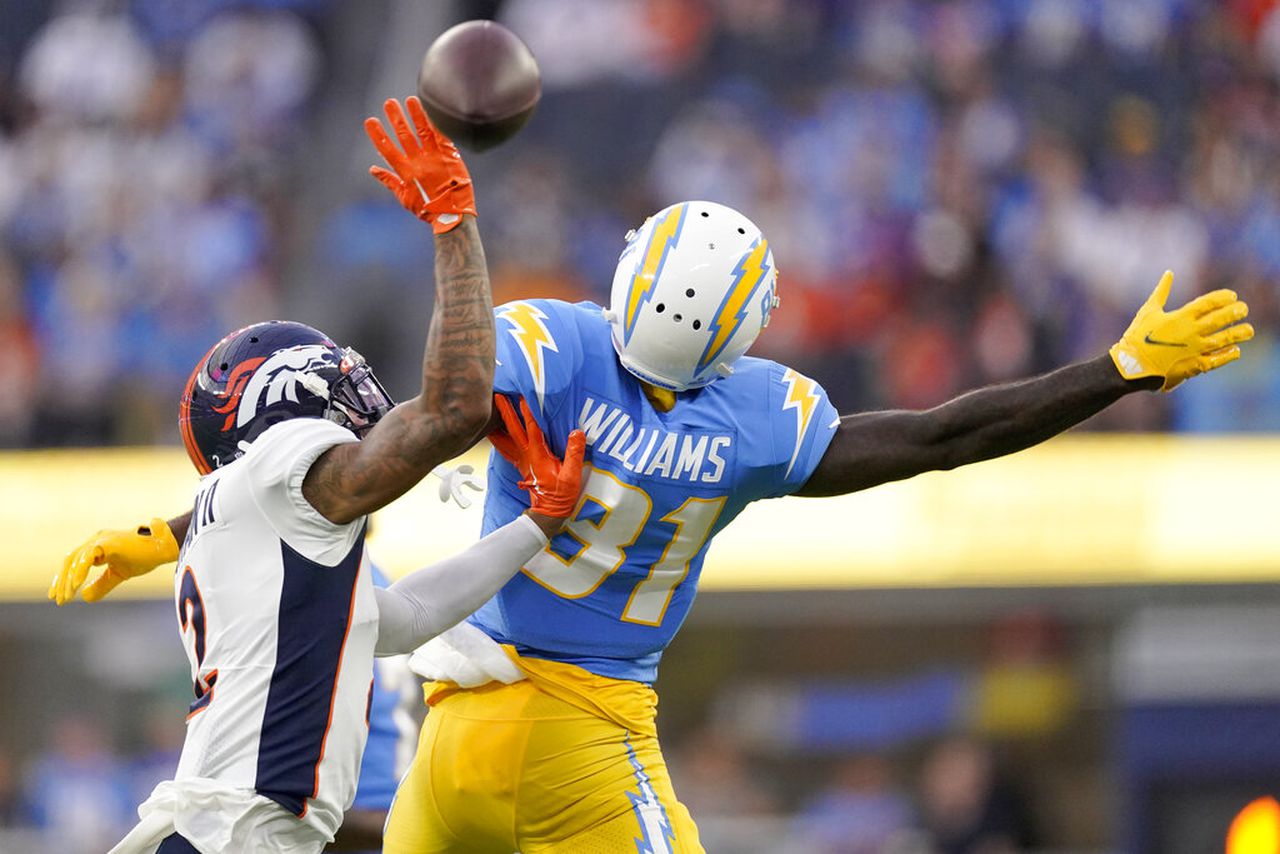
{"x": 803, "y": 423}
{"x": 539, "y": 353}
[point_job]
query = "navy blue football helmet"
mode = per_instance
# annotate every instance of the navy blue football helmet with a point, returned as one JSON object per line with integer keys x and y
{"x": 267, "y": 373}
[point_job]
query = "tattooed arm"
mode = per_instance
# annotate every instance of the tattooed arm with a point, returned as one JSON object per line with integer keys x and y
{"x": 446, "y": 417}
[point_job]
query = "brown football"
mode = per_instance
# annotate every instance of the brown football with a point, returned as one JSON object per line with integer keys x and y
{"x": 479, "y": 84}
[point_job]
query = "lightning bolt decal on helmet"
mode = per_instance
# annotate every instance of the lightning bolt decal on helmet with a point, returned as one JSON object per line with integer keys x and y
{"x": 691, "y": 292}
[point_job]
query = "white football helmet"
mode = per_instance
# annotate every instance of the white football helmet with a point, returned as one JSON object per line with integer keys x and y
{"x": 691, "y": 292}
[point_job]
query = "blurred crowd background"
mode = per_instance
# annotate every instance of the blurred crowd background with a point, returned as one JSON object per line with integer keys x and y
{"x": 958, "y": 192}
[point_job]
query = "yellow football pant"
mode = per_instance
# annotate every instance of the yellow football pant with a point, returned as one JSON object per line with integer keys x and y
{"x": 506, "y": 768}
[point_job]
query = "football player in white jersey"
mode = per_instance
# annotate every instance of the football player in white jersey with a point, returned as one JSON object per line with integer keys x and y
{"x": 297, "y": 442}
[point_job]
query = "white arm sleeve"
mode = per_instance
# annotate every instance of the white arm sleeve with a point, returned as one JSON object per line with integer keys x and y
{"x": 425, "y": 603}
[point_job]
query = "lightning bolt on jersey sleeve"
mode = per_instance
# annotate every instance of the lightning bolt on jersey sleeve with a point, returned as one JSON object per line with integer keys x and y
{"x": 803, "y": 423}
{"x": 539, "y": 351}
{"x": 277, "y": 463}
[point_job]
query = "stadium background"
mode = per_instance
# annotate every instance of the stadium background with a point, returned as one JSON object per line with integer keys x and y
{"x": 1062, "y": 649}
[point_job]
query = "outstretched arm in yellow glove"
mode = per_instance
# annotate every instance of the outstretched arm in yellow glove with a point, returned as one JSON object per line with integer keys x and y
{"x": 1175, "y": 345}
{"x": 1159, "y": 350}
{"x": 125, "y": 554}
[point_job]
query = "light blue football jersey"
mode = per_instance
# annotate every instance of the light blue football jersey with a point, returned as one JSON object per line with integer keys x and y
{"x": 610, "y": 592}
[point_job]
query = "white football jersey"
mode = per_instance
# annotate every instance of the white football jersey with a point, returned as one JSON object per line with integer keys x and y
{"x": 277, "y": 612}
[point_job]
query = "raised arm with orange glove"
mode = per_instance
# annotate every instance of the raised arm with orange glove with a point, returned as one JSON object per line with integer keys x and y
{"x": 427, "y": 174}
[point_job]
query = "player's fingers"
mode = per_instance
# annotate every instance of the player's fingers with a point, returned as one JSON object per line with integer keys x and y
{"x": 56, "y": 585}
{"x": 77, "y": 570}
{"x": 1231, "y": 335}
{"x": 1221, "y": 357}
{"x": 69, "y": 569}
{"x": 388, "y": 179}
{"x": 574, "y": 450}
{"x": 536, "y": 439}
{"x": 510, "y": 421}
{"x": 1213, "y": 361}
{"x": 575, "y": 461}
{"x": 1210, "y": 302}
{"x": 377, "y": 134}
{"x": 1220, "y": 318}
{"x": 1160, "y": 295}
{"x": 101, "y": 586}
{"x": 508, "y": 449}
{"x": 89, "y": 557}
{"x": 400, "y": 124}
{"x": 426, "y": 131}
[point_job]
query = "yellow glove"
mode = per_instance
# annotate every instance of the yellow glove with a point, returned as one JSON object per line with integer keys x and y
{"x": 126, "y": 554}
{"x": 1201, "y": 336}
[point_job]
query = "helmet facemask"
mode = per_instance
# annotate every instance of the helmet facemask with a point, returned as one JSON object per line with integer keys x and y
{"x": 356, "y": 400}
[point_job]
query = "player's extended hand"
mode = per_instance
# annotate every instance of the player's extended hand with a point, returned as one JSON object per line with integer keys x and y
{"x": 427, "y": 174}
{"x": 1175, "y": 345}
{"x": 125, "y": 554}
{"x": 553, "y": 484}
{"x": 452, "y": 481}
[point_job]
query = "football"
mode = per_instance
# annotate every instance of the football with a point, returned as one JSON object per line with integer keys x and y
{"x": 479, "y": 84}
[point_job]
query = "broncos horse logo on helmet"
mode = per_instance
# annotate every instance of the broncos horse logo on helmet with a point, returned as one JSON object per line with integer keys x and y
{"x": 267, "y": 373}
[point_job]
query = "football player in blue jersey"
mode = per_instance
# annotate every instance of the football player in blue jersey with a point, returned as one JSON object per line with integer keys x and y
{"x": 541, "y": 734}
{"x": 559, "y": 753}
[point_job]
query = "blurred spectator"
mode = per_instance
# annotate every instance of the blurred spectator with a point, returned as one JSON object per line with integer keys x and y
{"x": 957, "y": 193}
{"x": 86, "y": 66}
{"x": 861, "y": 811}
{"x": 714, "y": 777}
{"x": 79, "y": 792}
{"x": 10, "y": 795}
{"x": 1025, "y": 687}
{"x": 163, "y": 733}
{"x": 19, "y": 369}
{"x": 965, "y": 808}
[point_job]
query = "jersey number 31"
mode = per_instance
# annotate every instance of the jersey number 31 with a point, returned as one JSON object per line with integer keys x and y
{"x": 610, "y": 518}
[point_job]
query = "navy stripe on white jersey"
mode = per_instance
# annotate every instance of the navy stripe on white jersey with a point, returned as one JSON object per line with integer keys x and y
{"x": 315, "y": 617}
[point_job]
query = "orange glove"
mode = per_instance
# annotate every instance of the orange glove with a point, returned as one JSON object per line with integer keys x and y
{"x": 553, "y": 485}
{"x": 428, "y": 176}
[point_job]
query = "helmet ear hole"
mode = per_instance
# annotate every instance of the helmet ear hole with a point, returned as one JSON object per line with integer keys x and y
{"x": 660, "y": 307}
{"x": 697, "y": 324}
